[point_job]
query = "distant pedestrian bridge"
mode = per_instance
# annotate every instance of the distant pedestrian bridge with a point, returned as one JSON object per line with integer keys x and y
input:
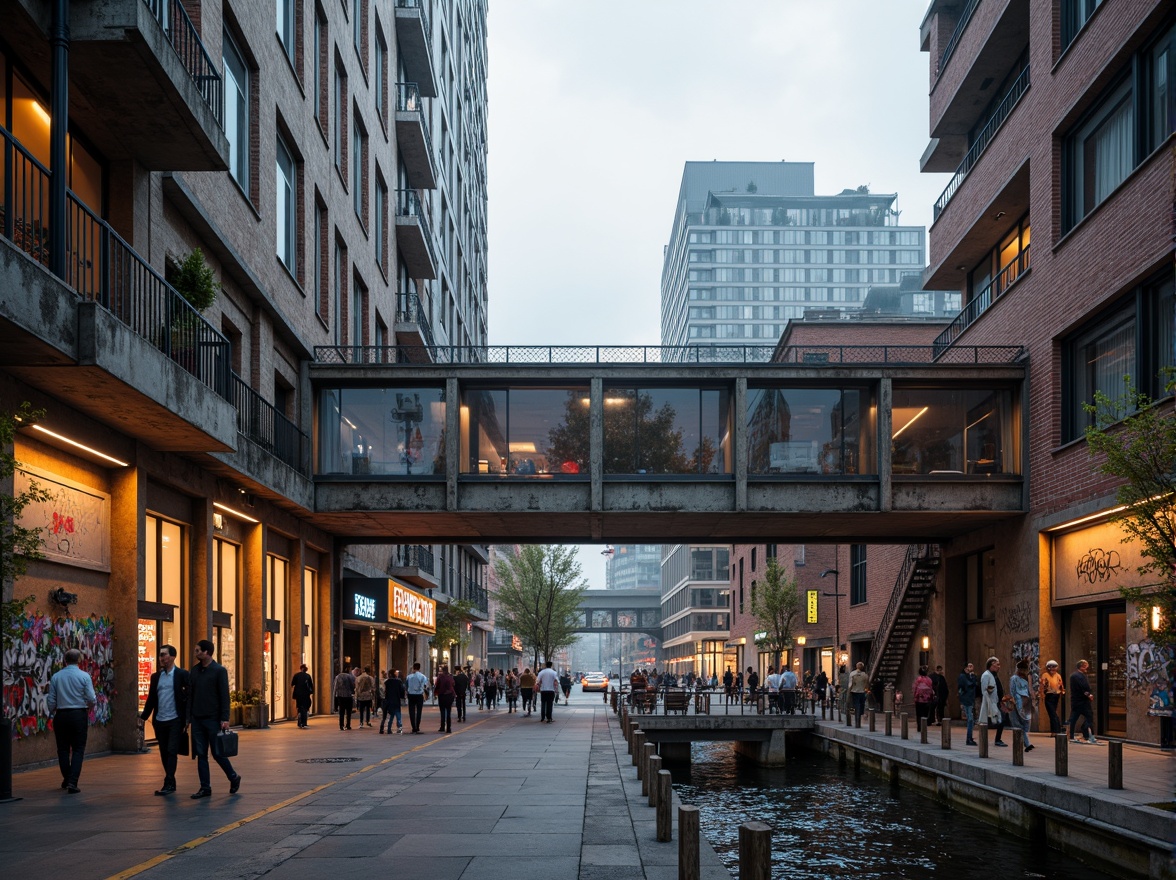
{"x": 888, "y": 444}
{"x": 621, "y": 611}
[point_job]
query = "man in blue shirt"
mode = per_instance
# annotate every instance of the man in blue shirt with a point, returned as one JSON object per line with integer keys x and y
{"x": 416, "y": 685}
{"x": 167, "y": 697}
{"x": 71, "y": 697}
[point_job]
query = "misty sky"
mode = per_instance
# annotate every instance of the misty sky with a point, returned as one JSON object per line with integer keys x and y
{"x": 595, "y": 106}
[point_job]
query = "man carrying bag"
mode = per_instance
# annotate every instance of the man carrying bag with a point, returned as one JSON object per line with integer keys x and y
{"x": 208, "y": 713}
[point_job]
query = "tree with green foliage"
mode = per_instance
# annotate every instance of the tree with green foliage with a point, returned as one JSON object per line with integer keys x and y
{"x": 776, "y": 607}
{"x": 636, "y": 437}
{"x": 1133, "y": 438}
{"x": 451, "y": 627}
{"x": 539, "y": 597}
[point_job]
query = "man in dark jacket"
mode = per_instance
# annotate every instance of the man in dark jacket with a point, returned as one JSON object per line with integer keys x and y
{"x": 1081, "y": 706}
{"x": 167, "y": 699}
{"x": 461, "y": 686}
{"x": 302, "y": 686}
{"x": 208, "y": 712}
{"x": 968, "y": 689}
{"x": 939, "y": 683}
{"x": 393, "y": 694}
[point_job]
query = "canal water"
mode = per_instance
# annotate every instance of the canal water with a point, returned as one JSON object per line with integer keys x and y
{"x": 828, "y": 821}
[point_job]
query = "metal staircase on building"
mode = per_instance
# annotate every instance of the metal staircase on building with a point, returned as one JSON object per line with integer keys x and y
{"x": 900, "y": 624}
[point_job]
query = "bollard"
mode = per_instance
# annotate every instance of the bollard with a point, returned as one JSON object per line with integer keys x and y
{"x": 905, "y": 720}
{"x": 647, "y": 779}
{"x": 824, "y": 709}
{"x": 654, "y": 768}
{"x": 857, "y": 719}
{"x": 688, "y": 844}
{"x": 923, "y": 730}
{"x": 982, "y": 740}
{"x": 889, "y": 723}
{"x": 665, "y": 806}
{"x": 755, "y": 851}
{"x": 1114, "y": 765}
{"x": 647, "y": 749}
{"x": 945, "y": 733}
{"x": 848, "y": 717}
{"x": 638, "y": 742}
{"x": 1018, "y": 747}
{"x": 1061, "y": 755}
{"x": 633, "y": 728}
{"x": 872, "y": 714}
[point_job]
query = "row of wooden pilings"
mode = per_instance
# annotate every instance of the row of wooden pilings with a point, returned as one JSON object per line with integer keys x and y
{"x": 755, "y": 838}
{"x": 1061, "y": 742}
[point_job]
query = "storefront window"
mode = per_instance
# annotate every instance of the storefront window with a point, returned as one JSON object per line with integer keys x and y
{"x": 274, "y": 655}
{"x": 224, "y": 607}
{"x": 525, "y": 432}
{"x": 161, "y": 612}
{"x": 309, "y": 595}
{"x": 954, "y": 431}
{"x": 810, "y": 431}
{"x": 667, "y": 431}
{"x": 382, "y": 431}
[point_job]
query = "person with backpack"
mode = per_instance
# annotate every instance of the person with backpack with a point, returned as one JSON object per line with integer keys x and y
{"x": 343, "y": 691}
{"x": 924, "y": 695}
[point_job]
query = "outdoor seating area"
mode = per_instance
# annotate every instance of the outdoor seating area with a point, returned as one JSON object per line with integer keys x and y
{"x": 707, "y": 701}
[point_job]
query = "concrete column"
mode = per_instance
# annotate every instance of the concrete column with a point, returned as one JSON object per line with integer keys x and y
{"x": 252, "y": 632}
{"x": 199, "y": 610}
{"x": 769, "y": 753}
{"x": 452, "y": 442}
{"x": 885, "y": 430}
{"x": 674, "y": 753}
{"x": 128, "y": 572}
{"x": 596, "y": 443}
{"x": 740, "y": 434}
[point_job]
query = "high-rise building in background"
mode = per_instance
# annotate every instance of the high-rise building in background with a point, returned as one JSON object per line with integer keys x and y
{"x": 226, "y": 195}
{"x": 753, "y": 246}
{"x": 633, "y": 566}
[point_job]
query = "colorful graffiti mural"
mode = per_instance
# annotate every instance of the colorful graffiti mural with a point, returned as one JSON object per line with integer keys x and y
{"x": 1148, "y": 668}
{"x": 36, "y": 649}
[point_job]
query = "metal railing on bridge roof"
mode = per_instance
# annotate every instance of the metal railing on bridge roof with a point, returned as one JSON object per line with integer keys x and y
{"x": 675, "y": 355}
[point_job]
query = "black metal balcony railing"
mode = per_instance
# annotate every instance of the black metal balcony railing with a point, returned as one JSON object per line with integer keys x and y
{"x": 475, "y": 593}
{"x": 684, "y": 356}
{"x": 982, "y": 301}
{"x": 258, "y": 420}
{"x": 410, "y": 310}
{"x": 417, "y": 556}
{"x": 961, "y": 25}
{"x": 408, "y": 206}
{"x": 184, "y": 39}
{"x": 25, "y": 207}
{"x": 995, "y": 121}
{"x": 420, "y": 5}
{"x": 408, "y": 99}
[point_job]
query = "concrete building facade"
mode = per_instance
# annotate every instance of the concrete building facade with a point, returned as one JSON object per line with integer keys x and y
{"x": 328, "y": 163}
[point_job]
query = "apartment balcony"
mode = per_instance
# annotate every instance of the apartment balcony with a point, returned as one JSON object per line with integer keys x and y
{"x": 414, "y": 331}
{"x": 987, "y": 40}
{"x": 107, "y": 335}
{"x": 414, "y": 35}
{"x": 154, "y": 92}
{"x": 412, "y": 137}
{"x": 415, "y": 564}
{"x": 983, "y": 301}
{"x": 414, "y": 238}
{"x": 475, "y": 593}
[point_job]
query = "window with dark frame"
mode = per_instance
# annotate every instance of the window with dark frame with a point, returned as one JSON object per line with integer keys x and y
{"x": 857, "y": 574}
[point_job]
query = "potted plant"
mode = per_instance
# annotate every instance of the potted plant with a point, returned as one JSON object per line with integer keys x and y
{"x": 193, "y": 279}
{"x": 236, "y": 698}
{"x": 253, "y": 708}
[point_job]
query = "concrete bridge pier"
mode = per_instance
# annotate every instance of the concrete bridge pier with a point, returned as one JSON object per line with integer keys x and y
{"x": 768, "y": 753}
{"x": 674, "y": 752}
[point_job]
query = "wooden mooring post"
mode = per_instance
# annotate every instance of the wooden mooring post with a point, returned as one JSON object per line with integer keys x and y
{"x": 1115, "y": 765}
{"x": 755, "y": 851}
{"x": 665, "y": 806}
{"x": 689, "y": 867}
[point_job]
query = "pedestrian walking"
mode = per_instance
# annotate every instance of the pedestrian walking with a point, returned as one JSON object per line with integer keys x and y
{"x": 939, "y": 682}
{"x": 967, "y": 688}
{"x": 728, "y": 686}
{"x": 393, "y": 693}
{"x": 924, "y": 692}
{"x": 548, "y": 683}
{"x": 1021, "y": 713}
{"x": 479, "y": 688}
{"x": 512, "y": 692}
{"x": 461, "y": 686}
{"x": 490, "y": 689}
{"x": 302, "y": 686}
{"x": 1054, "y": 688}
{"x": 788, "y": 685}
{"x": 208, "y": 713}
{"x": 821, "y": 686}
{"x": 445, "y": 692}
{"x": 775, "y": 698}
{"x": 71, "y": 697}
{"x": 991, "y": 692}
{"x": 1081, "y": 705}
{"x": 527, "y": 686}
{"x": 417, "y": 688}
{"x": 565, "y": 685}
{"x": 343, "y": 691}
{"x": 365, "y": 695}
{"x": 167, "y": 700}
{"x": 859, "y": 686}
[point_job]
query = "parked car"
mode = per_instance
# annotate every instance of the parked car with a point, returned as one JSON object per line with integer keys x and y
{"x": 594, "y": 681}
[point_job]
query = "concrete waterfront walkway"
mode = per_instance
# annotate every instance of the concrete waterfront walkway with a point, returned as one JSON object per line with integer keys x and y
{"x": 502, "y": 795}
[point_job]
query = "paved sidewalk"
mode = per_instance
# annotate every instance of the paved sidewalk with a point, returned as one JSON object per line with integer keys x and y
{"x": 502, "y": 794}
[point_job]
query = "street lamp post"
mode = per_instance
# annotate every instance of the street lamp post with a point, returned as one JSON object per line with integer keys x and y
{"x": 836, "y": 594}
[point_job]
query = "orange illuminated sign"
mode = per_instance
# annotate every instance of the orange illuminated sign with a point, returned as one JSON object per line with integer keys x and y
{"x": 409, "y": 606}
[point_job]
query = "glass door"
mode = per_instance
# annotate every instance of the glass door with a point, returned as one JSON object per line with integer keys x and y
{"x": 1112, "y": 671}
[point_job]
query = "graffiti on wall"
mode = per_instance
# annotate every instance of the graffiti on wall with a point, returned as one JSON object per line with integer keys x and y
{"x": 1029, "y": 649}
{"x": 1016, "y": 619}
{"x": 37, "y": 650}
{"x": 1147, "y": 673}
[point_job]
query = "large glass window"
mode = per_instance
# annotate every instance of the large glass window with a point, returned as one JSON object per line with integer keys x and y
{"x": 162, "y": 591}
{"x": 1074, "y": 15}
{"x": 857, "y": 574}
{"x": 398, "y": 431}
{"x": 286, "y": 26}
{"x": 525, "y": 431}
{"x": 237, "y": 111}
{"x": 287, "y": 213}
{"x": 274, "y": 653}
{"x": 224, "y": 607}
{"x": 954, "y": 431}
{"x": 810, "y": 431}
{"x": 667, "y": 431}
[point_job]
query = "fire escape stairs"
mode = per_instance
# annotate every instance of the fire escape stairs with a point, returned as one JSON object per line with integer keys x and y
{"x": 908, "y": 604}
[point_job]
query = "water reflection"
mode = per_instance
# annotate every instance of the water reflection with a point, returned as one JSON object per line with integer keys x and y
{"x": 827, "y": 822}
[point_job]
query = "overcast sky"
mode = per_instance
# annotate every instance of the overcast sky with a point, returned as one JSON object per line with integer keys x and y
{"x": 596, "y": 105}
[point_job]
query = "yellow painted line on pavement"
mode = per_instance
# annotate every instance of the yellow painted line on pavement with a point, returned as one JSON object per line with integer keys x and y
{"x": 225, "y": 829}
